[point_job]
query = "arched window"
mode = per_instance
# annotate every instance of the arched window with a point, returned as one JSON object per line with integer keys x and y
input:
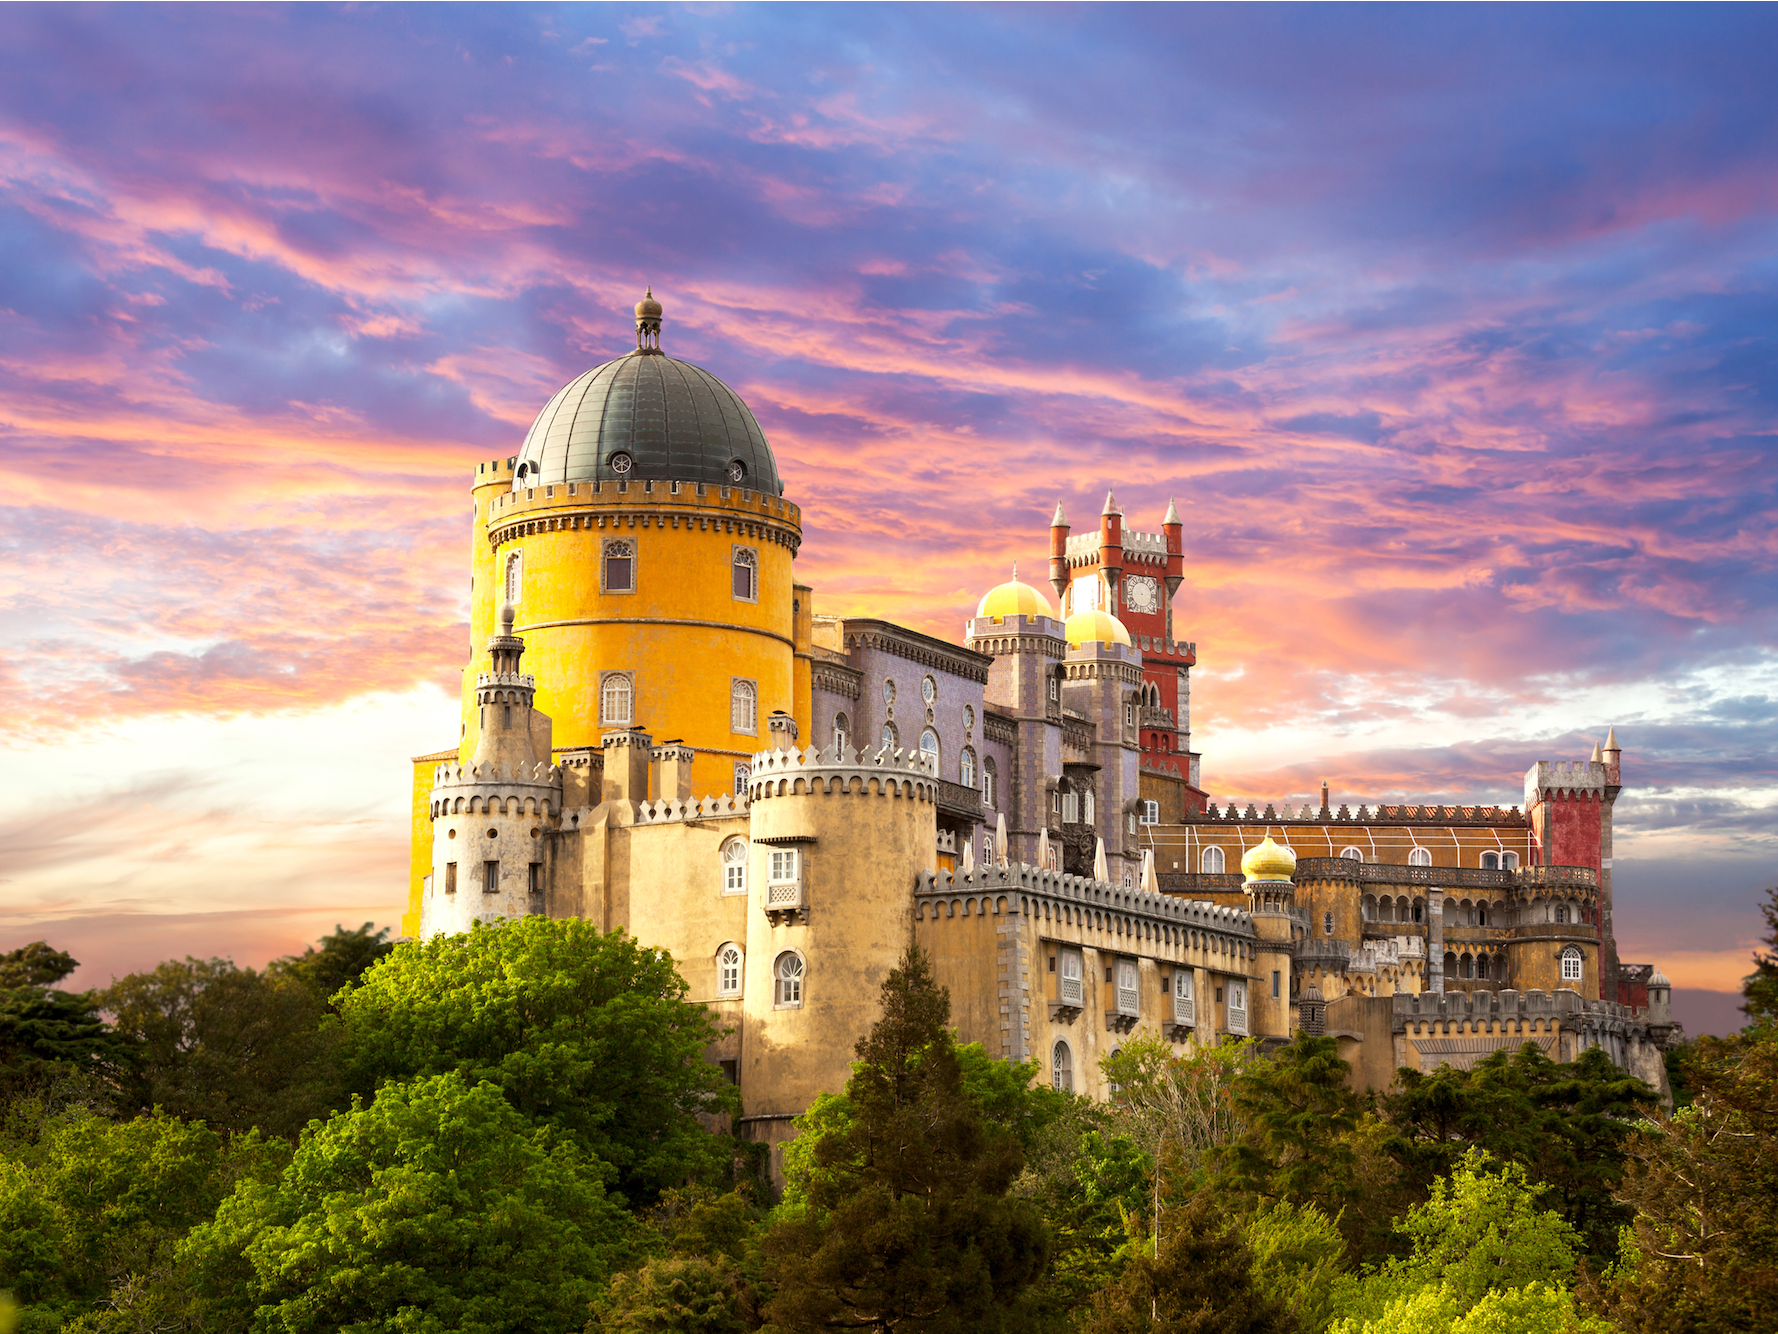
{"x": 889, "y": 738}
{"x": 1481, "y": 967}
{"x": 1509, "y": 861}
{"x": 929, "y": 747}
{"x": 1211, "y": 863}
{"x": 746, "y": 575}
{"x": 1129, "y": 713}
{"x": 1062, "y": 1068}
{"x": 1561, "y": 916}
{"x": 1490, "y": 861}
{"x": 1571, "y": 965}
{"x": 1086, "y": 806}
{"x": 743, "y": 776}
{"x": 989, "y": 783}
{"x": 620, "y": 567}
{"x": 734, "y": 866}
{"x": 515, "y": 581}
{"x": 1481, "y": 914}
{"x": 789, "y": 985}
{"x": 1352, "y": 854}
{"x": 1467, "y": 965}
{"x": 728, "y": 971}
{"x": 966, "y": 768}
{"x": 1420, "y": 857}
{"x": 1367, "y": 908}
{"x": 842, "y": 732}
{"x": 617, "y": 700}
{"x": 743, "y": 707}
{"x": 1450, "y": 964}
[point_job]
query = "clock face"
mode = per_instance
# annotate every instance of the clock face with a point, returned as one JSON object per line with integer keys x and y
{"x": 1142, "y": 593}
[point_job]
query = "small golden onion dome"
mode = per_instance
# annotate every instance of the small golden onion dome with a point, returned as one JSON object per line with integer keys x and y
{"x": 1268, "y": 861}
{"x": 1095, "y": 626}
{"x": 1014, "y": 598}
{"x": 648, "y": 307}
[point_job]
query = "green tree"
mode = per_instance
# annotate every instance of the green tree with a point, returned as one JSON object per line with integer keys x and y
{"x": 1088, "y": 1208}
{"x": 1199, "y": 1281}
{"x": 49, "y": 1036}
{"x": 678, "y": 1295}
{"x": 1481, "y": 1231}
{"x": 583, "y": 1031}
{"x": 91, "y": 1210}
{"x": 1298, "y": 1260}
{"x": 1299, "y": 1114}
{"x": 907, "y": 1225}
{"x": 233, "y": 1047}
{"x": 1567, "y": 1124}
{"x": 1760, "y": 987}
{"x": 344, "y": 956}
{"x": 1702, "y": 1252}
{"x": 436, "y": 1208}
{"x": 1536, "y": 1308}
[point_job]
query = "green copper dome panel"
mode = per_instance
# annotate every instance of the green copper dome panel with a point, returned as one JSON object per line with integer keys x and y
{"x": 647, "y": 417}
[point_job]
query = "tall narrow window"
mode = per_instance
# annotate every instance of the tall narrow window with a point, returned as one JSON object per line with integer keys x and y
{"x": 491, "y": 877}
{"x": 990, "y": 780}
{"x": 1211, "y": 863}
{"x": 620, "y": 567}
{"x": 1151, "y": 812}
{"x": 888, "y": 736}
{"x": 450, "y": 878}
{"x": 617, "y": 700}
{"x": 536, "y": 879}
{"x": 1062, "y": 1068}
{"x": 734, "y": 866}
{"x": 1571, "y": 965}
{"x": 966, "y": 768}
{"x": 929, "y": 748}
{"x": 728, "y": 971}
{"x": 746, "y": 575}
{"x": 743, "y": 707}
{"x": 1086, "y": 806}
{"x": 743, "y": 776}
{"x": 515, "y": 566}
{"x": 1070, "y": 808}
{"x": 1509, "y": 861}
{"x": 1420, "y": 857}
{"x": 842, "y": 732}
{"x": 987, "y": 849}
{"x": 789, "y": 981}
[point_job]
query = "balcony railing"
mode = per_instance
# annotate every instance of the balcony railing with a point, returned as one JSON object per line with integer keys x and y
{"x": 784, "y": 899}
{"x": 1440, "y": 877}
{"x": 1129, "y": 1001}
{"x": 1068, "y": 991}
{"x": 1237, "y": 1019}
{"x": 963, "y": 802}
{"x": 1182, "y": 1010}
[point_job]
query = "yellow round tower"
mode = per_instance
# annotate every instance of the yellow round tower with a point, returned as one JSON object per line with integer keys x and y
{"x": 642, "y": 536}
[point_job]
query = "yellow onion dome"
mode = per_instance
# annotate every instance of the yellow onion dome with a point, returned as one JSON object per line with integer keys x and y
{"x": 1095, "y": 626}
{"x": 1268, "y": 861}
{"x": 1013, "y": 598}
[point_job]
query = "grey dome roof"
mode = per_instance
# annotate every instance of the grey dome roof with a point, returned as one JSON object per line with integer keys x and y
{"x": 670, "y": 420}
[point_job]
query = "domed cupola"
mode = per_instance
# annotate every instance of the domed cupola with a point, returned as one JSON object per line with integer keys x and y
{"x": 1268, "y": 861}
{"x": 1013, "y": 598}
{"x": 1095, "y": 626}
{"x": 647, "y": 417}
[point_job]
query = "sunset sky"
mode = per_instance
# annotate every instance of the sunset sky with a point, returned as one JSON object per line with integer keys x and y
{"x": 1451, "y": 329}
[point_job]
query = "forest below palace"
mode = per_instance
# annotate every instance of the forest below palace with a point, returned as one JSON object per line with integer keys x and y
{"x": 516, "y": 1130}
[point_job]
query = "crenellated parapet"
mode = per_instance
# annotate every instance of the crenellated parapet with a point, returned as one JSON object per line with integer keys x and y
{"x": 841, "y": 769}
{"x": 676, "y": 811}
{"x": 1134, "y": 910}
{"x": 492, "y": 787}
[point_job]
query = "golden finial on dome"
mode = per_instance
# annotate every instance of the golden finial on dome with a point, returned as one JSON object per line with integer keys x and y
{"x": 1267, "y": 860}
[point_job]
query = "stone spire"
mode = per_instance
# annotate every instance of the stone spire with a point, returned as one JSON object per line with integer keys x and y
{"x": 1172, "y": 512}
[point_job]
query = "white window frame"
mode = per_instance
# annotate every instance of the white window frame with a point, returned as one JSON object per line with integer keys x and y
{"x": 987, "y": 849}
{"x": 1490, "y": 861}
{"x": 619, "y": 548}
{"x": 1129, "y": 987}
{"x": 1573, "y": 965}
{"x": 743, "y": 706}
{"x": 514, "y": 587}
{"x": 1352, "y": 854}
{"x": 725, "y": 987}
{"x": 1237, "y": 1006}
{"x": 889, "y": 737}
{"x": 746, "y": 558}
{"x": 608, "y": 683}
{"x": 1420, "y": 856}
{"x": 1070, "y": 981}
{"x": 1062, "y": 1067}
{"x": 1086, "y": 807}
{"x": 1151, "y": 812}
{"x": 929, "y": 690}
{"x": 842, "y": 731}
{"x": 790, "y": 972}
{"x": 1184, "y": 1010}
{"x": 888, "y": 690}
{"x": 937, "y": 750}
{"x": 990, "y": 781}
{"x": 743, "y": 776}
{"x": 966, "y": 766}
{"x": 734, "y": 866}
{"x": 1211, "y": 861}
{"x": 1509, "y": 861}
{"x": 1070, "y": 808}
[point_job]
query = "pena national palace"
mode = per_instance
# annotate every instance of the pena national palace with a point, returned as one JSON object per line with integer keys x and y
{"x": 662, "y": 735}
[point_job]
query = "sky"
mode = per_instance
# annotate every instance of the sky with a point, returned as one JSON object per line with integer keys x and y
{"x": 1451, "y": 329}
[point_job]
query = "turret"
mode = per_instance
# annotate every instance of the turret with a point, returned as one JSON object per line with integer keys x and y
{"x": 1613, "y": 757}
{"x": 511, "y": 730}
{"x": 1111, "y": 547}
{"x": 648, "y": 323}
{"x": 1174, "y": 531}
{"x": 1660, "y": 998}
{"x": 1059, "y": 552}
{"x": 1267, "y": 870}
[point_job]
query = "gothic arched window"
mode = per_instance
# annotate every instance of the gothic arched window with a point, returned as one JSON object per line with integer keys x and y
{"x": 788, "y": 977}
{"x": 617, "y": 700}
{"x": 746, "y": 575}
{"x": 734, "y": 866}
{"x": 1211, "y": 863}
{"x": 1062, "y": 1068}
{"x": 728, "y": 971}
{"x": 515, "y": 581}
{"x": 743, "y": 707}
{"x": 1420, "y": 857}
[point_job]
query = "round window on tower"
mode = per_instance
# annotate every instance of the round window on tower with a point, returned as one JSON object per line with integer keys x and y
{"x": 621, "y": 463}
{"x": 928, "y": 690}
{"x": 737, "y": 471}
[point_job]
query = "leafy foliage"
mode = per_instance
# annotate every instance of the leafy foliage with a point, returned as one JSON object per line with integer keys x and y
{"x": 1298, "y": 1114}
{"x": 1760, "y": 988}
{"x": 48, "y": 1036}
{"x": 438, "y": 1207}
{"x": 1298, "y": 1260}
{"x": 1198, "y": 1280}
{"x": 583, "y": 1031}
{"x": 1702, "y": 1251}
{"x": 907, "y": 1225}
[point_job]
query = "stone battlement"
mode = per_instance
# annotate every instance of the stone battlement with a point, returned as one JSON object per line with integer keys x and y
{"x": 483, "y": 775}
{"x": 1140, "y": 546}
{"x": 1289, "y": 813}
{"x": 1037, "y": 881}
{"x": 615, "y": 506}
{"x": 512, "y": 680}
{"x": 672, "y": 810}
{"x": 841, "y": 768}
{"x": 1586, "y": 776}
